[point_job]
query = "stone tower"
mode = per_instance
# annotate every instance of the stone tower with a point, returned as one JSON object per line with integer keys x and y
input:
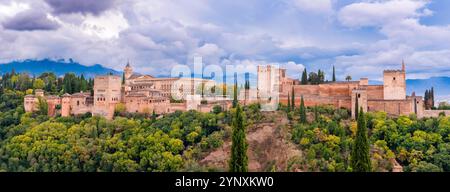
{"x": 107, "y": 93}
{"x": 360, "y": 96}
{"x": 65, "y": 105}
{"x": 269, "y": 80}
{"x": 128, "y": 71}
{"x": 394, "y": 84}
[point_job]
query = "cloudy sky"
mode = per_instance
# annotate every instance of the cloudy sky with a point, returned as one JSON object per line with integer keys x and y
{"x": 359, "y": 37}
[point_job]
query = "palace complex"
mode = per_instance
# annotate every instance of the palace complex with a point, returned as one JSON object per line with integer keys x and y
{"x": 148, "y": 94}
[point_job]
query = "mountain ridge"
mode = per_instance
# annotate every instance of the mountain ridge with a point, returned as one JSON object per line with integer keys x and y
{"x": 59, "y": 67}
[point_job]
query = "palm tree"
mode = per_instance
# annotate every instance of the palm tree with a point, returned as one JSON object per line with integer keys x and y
{"x": 348, "y": 78}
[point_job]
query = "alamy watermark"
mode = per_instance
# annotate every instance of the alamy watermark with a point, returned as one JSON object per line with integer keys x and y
{"x": 255, "y": 83}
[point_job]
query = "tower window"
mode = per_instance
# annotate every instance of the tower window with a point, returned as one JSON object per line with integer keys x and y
{"x": 394, "y": 78}
{"x": 359, "y": 95}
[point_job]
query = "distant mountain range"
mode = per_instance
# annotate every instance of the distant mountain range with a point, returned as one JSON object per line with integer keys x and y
{"x": 59, "y": 67}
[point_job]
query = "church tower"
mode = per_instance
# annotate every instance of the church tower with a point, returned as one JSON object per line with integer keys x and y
{"x": 128, "y": 71}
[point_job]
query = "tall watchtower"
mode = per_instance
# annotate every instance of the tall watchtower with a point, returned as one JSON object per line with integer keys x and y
{"x": 269, "y": 79}
{"x": 107, "y": 93}
{"x": 394, "y": 84}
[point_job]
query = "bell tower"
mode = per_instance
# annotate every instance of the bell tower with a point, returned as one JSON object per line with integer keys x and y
{"x": 128, "y": 71}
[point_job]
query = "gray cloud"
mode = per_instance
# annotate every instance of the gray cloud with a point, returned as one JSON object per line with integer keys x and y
{"x": 161, "y": 33}
{"x": 30, "y": 21}
{"x": 80, "y": 6}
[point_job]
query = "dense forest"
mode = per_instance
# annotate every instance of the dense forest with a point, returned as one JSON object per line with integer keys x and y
{"x": 178, "y": 141}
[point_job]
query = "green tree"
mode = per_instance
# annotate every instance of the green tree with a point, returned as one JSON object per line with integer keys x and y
{"x": 432, "y": 97}
{"x": 293, "y": 99}
{"x": 38, "y": 84}
{"x": 42, "y": 106}
{"x": 348, "y": 78}
{"x": 360, "y": 156}
{"x": 320, "y": 77}
{"x": 313, "y": 78}
{"x": 302, "y": 111}
{"x": 239, "y": 160}
{"x": 334, "y": 74}
{"x": 83, "y": 84}
{"x": 356, "y": 107}
{"x": 289, "y": 103}
{"x": 304, "y": 77}
{"x": 235, "y": 93}
{"x": 154, "y": 116}
{"x": 316, "y": 114}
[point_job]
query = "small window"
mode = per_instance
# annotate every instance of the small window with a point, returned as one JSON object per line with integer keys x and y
{"x": 394, "y": 78}
{"x": 359, "y": 95}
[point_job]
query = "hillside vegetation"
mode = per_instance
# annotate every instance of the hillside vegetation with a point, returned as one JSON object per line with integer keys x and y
{"x": 194, "y": 141}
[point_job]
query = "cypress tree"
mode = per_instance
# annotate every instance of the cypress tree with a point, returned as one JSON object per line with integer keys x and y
{"x": 320, "y": 77}
{"x": 153, "y": 116}
{"x": 235, "y": 99}
{"x": 289, "y": 103}
{"x": 360, "y": 160}
{"x": 83, "y": 84}
{"x": 293, "y": 99}
{"x": 356, "y": 107}
{"x": 334, "y": 74}
{"x": 302, "y": 111}
{"x": 239, "y": 160}
{"x": 432, "y": 97}
{"x": 304, "y": 77}
{"x": 316, "y": 114}
{"x": 224, "y": 87}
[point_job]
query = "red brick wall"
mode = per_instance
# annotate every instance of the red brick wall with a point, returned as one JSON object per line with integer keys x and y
{"x": 375, "y": 92}
{"x": 391, "y": 107}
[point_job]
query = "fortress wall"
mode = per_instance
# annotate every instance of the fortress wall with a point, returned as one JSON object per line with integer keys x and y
{"x": 139, "y": 105}
{"x": 435, "y": 113}
{"x": 306, "y": 90}
{"x": 205, "y": 108}
{"x": 177, "y": 107}
{"x": 161, "y": 108}
{"x": 78, "y": 104}
{"x": 310, "y": 101}
{"x": 334, "y": 89}
{"x": 391, "y": 107}
{"x": 52, "y": 103}
{"x": 81, "y": 110}
{"x": 132, "y": 104}
{"x": 375, "y": 92}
